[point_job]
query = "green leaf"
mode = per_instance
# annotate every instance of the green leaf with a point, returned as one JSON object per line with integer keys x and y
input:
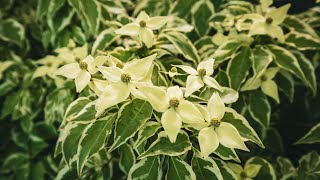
{"x": 302, "y": 41}
{"x": 12, "y": 31}
{"x": 308, "y": 70}
{"x": 201, "y": 13}
{"x": 226, "y": 153}
{"x": 286, "y": 166}
{"x": 205, "y": 168}
{"x": 242, "y": 125}
{"x": 179, "y": 170}
{"x": 238, "y": 68}
{"x": 226, "y": 50}
{"x": 132, "y": 117}
{"x": 13, "y": 160}
{"x": 182, "y": 8}
{"x": 261, "y": 58}
{"x": 54, "y": 7}
{"x": 313, "y": 136}
{"x": 88, "y": 113}
{"x": 225, "y": 171}
{"x": 10, "y": 103}
{"x": 286, "y": 60}
{"x": 127, "y": 158}
{"x": 266, "y": 171}
{"x": 183, "y": 45}
{"x": 93, "y": 139}
{"x": 260, "y": 108}
{"x": 78, "y": 35}
{"x": 36, "y": 145}
{"x": 75, "y": 107}
{"x": 56, "y": 103}
{"x": 104, "y": 39}
{"x": 91, "y": 11}
{"x": 309, "y": 166}
{"x": 60, "y": 20}
{"x": 293, "y": 22}
{"x": 162, "y": 145}
{"x": 70, "y": 138}
{"x": 146, "y": 131}
{"x": 147, "y": 168}
{"x": 285, "y": 83}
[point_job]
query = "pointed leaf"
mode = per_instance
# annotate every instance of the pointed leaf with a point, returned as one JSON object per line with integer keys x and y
{"x": 162, "y": 145}
{"x": 132, "y": 117}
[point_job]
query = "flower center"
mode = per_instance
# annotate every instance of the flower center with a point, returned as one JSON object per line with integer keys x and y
{"x": 174, "y": 102}
{"x": 173, "y": 69}
{"x": 142, "y": 23}
{"x": 202, "y": 72}
{"x": 243, "y": 174}
{"x": 77, "y": 59}
{"x": 269, "y": 20}
{"x": 83, "y": 65}
{"x": 119, "y": 65}
{"x": 215, "y": 122}
{"x": 263, "y": 78}
{"x": 125, "y": 77}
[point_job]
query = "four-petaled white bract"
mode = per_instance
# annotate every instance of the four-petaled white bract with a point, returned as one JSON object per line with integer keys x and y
{"x": 218, "y": 131}
{"x": 124, "y": 81}
{"x": 143, "y": 27}
{"x": 81, "y": 72}
{"x": 199, "y": 77}
{"x": 174, "y": 107}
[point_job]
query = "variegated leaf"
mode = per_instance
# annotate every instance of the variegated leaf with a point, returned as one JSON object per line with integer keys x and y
{"x": 147, "y": 168}
{"x": 266, "y": 171}
{"x": 127, "y": 158}
{"x": 205, "y": 168}
{"x": 131, "y": 118}
{"x": 179, "y": 169}
{"x": 163, "y": 145}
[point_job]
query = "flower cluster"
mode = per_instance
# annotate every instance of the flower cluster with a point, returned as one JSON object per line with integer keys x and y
{"x": 121, "y": 81}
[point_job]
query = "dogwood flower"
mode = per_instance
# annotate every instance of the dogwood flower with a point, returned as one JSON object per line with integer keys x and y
{"x": 71, "y": 53}
{"x": 124, "y": 79}
{"x": 143, "y": 27}
{"x": 199, "y": 77}
{"x": 174, "y": 107}
{"x": 81, "y": 72}
{"x": 268, "y": 86}
{"x": 218, "y": 131}
{"x": 269, "y": 24}
{"x": 249, "y": 172}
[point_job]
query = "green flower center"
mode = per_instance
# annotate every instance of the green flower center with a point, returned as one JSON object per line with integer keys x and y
{"x": 174, "y": 102}
{"x": 77, "y": 59}
{"x": 243, "y": 174}
{"x": 119, "y": 65}
{"x": 173, "y": 69}
{"x": 125, "y": 77}
{"x": 263, "y": 78}
{"x": 269, "y": 20}
{"x": 215, "y": 122}
{"x": 142, "y": 23}
{"x": 83, "y": 65}
{"x": 202, "y": 72}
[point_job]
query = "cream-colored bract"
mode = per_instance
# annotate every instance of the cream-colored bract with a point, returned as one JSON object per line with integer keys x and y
{"x": 124, "y": 80}
{"x": 268, "y": 86}
{"x": 269, "y": 23}
{"x": 81, "y": 75}
{"x": 218, "y": 132}
{"x": 143, "y": 27}
{"x": 249, "y": 172}
{"x": 199, "y": 77}
{"x": 174, "y": 107}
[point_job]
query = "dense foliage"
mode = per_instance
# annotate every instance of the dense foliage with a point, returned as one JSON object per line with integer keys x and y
{"x": 185, "y": 89}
